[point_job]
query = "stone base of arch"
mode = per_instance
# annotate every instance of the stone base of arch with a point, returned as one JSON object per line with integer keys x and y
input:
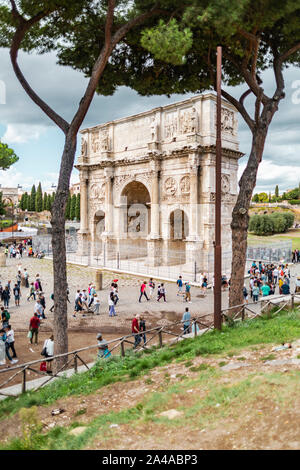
{"x": 154, "y": 255}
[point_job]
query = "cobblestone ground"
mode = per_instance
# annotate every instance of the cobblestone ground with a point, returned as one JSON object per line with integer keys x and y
{"x": 79, "y": 278}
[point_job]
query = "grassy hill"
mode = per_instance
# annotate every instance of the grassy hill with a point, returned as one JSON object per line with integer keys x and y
{"x": 222, "y": 390}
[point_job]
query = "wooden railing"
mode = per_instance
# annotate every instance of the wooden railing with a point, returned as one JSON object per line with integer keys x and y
{"x": 202, "y": 322}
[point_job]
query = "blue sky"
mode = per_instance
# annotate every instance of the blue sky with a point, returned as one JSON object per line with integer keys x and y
{"x": 39, "y": 144}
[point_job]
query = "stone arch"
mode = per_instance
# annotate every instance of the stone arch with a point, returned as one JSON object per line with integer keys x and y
{"x": 125, "y": 181}
{"x": 135, "y": 219}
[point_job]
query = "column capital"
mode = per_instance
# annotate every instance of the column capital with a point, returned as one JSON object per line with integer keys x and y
{"x": 84, "y": 176}
{"x": 108, "y": 172}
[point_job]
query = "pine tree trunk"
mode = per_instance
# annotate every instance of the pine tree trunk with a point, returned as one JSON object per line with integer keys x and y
{"x": 240, "y": 217}
{"x": 60, "y": 322}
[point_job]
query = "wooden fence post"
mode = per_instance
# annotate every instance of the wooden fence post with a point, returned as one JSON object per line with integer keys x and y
{"x": 243, "y": 313}
{"x": 24, "y": 381}
{"x": 293, "y": 301}
{"x": 160, "y": 339}
{"x": 75, "y": 364}
{"x": 195, "y": 328}
{"x": 122, "y": 349}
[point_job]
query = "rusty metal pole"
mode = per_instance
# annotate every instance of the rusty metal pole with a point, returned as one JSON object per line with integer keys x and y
{"x": 218, "y": 171}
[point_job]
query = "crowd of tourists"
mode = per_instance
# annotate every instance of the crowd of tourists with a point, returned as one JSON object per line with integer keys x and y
{"x": 265, "y": 279}
{"x": 11, "y": 292}
{"x": 20, "y": 249}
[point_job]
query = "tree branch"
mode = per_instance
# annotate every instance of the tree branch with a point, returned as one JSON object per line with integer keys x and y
{"x": 100, "y": 64}
{"x": 240, "y": 107}
{"x": 18, "y": 37}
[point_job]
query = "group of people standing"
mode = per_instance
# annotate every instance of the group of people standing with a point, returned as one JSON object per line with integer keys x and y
{"x": 264, "y": 279}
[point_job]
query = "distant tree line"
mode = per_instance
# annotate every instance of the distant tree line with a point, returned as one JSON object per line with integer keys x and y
{"x": 292, "y": 196}
{"x": 37, "y": 201}
{"x": 267, "y": 224}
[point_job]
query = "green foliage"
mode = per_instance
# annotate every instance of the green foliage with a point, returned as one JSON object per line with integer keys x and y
{"x": 277, "y": 191}
{"x": 73, "y": 207}
{"x": 2, "y": 205}
{"x": 77, "y": 207}
{"x": 277, "y": 222}
{"x": 31, "y": 203}
{"x": 168, "y": 42}
{"x": 30, "y": 426}
{"x": 283, "y": 327}
{"x": 39, "y": 199}
{"x": 49, "y": 202}
{"x": 45, "y": 199}
{"x": 255, "y": 198}
{"x": 7, "y": 157}
{"x": 293, "y": 194}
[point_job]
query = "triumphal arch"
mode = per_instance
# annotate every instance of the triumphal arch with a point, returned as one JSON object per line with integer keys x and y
{"x": 147, "y": 184}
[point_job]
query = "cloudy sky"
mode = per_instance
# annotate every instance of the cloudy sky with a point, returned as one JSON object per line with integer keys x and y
{"x": 39, "y": 144}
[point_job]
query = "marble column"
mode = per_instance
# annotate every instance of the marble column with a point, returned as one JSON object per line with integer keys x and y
{"x": 83, "y": 203}
{"x": 193, "y": 245}
{"x": 154, "y": 239}
{"x": 109, "y": 202}
{"x": 83, "y": 248}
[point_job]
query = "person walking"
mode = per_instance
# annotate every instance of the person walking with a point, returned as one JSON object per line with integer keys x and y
{"x": 111, "y": 305}
{"x": 5, "y": 316}
{"x": 31, "y": 292}
{"x": 186, "y": 319}
{"x": 188, "y": 292}
{"x": 26, "y": 277}
{"x": 135, "y": 331}
{"x": 6, "y": 296}
{"x": 179, "y": 285}
{"x": 151, "y": 287}
{"x": 10, "y": 339}
{"x": 3, "y": 338}
{"x": 48, "y": 350}
{"x": 255, "y": 292}
{"x": 78, "y": 305}
{"x": 143, "y": 291}
{"x": 34, "y": 325}
{"x": 96, "y": 304}
{"x": 103, "y": 351}
{"x": 161, "y": 292}
{"x": 17, "y": 294}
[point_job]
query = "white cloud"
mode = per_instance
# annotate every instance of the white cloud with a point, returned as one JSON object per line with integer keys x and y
{"x": 23, "y": 133}
{"x": 11, "y": 178}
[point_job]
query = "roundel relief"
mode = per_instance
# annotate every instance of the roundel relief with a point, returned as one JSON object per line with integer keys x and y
{"x": 97, "y": 191}
{"x": 170, "y": 186}
{"x": 225, "y": 183}
{"x": 185, "y": 185}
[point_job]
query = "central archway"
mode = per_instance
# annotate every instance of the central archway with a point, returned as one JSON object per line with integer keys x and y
{"x": 136, "y": 220}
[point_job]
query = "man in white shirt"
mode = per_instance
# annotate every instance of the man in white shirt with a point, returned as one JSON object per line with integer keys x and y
{"x": 49, "y": 352}
{"x": 10, "y": 339}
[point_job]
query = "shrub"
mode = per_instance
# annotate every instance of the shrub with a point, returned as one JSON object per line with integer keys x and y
{"x": 277, "y": 222}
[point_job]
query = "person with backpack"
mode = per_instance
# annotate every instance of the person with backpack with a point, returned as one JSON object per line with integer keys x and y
{"x": 3, "y": 337}
{"x": 5, "y": 316}
{"x": 48, "y": 352}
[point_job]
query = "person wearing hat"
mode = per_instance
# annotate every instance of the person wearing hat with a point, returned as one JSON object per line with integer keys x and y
{"x": 103, "y": 351}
